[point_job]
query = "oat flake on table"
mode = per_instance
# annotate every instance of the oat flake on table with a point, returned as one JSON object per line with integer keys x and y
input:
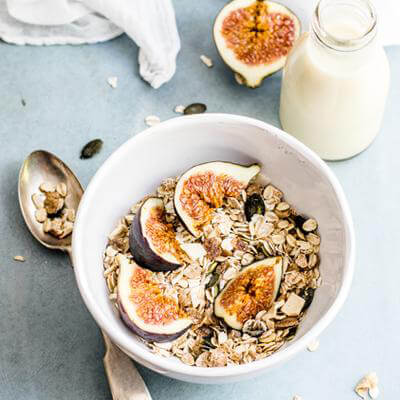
{"x": 152, "y": 120}
{"x": 313, "y": 346}
{"x": 112, "y": 81}
{"x": 368, "y": 385}
{"x": 206, "y": 60}
{"x": 230, "y": 242}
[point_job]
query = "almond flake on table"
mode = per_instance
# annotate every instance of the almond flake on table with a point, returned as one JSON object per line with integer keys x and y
{"x": 179, "y": 109}
{"x": 297, "y": 397}
{"x": 112, "y": 81}
{"x": 368, "y": 384}
{"x": 206, "y": 60}
{"x": 313, "y": 346}
{"x": 239, "y": 79}
{"x": 19, "y": 258}
{"x": 152, "y": 120}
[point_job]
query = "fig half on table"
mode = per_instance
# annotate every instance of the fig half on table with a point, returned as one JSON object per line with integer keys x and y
{"x": 204, "y": 187}
{"x": 254, "y": 38}
{"x": 152, "y": 240}
{"x": 253, "y": 290}
{"x": 144, "y": 308}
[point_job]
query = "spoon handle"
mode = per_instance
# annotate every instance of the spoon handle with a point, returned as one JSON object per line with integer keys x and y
{"x": 123, "y": 378}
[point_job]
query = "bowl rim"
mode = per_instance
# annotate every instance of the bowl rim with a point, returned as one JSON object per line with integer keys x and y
{"x": 161, "y": 364}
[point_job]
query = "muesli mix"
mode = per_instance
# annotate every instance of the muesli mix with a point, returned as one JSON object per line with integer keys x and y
{"x": 52, "y": 211}
{"x": 262, "y": 308}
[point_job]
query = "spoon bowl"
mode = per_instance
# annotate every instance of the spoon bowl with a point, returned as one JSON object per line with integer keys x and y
{"x": 42, "y": 166}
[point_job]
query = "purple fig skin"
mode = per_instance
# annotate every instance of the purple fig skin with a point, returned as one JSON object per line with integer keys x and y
{"x": 142, "y": 252}
{"x": 147, "y": 335}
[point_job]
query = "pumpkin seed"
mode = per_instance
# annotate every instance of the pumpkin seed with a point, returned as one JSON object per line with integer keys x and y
{"x": 212, "y": 267}
{"x": 23, "y": 102}
{"x": 254, "y": 205}
{"x": 299, "y": 221}
{"x": 285, "y": 323}
{"x": 207, "y": 343}
{"x": 195, "y": 108}
{"x": 213, "y": 281}
{"x": 91, "y": 148}
{"x": 307, "y": 294}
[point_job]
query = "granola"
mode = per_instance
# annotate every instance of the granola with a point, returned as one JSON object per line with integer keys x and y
{"x": 51, "y": 210}
{"x": 228, "y": 243}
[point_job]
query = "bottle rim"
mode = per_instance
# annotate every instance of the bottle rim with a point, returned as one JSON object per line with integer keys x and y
{"x": 340, "y": 44}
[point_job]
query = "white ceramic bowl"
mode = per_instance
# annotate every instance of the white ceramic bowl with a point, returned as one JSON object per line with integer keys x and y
{"x": 170, "y": 148}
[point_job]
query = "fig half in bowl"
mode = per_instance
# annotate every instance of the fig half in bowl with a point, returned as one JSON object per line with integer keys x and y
{"x": 254, "y": 289}
{"x": 144, "y": 308}
{"x": 254, "y": 38}
{"x": 204, "y": 187}
{"x": 152, "y": 240}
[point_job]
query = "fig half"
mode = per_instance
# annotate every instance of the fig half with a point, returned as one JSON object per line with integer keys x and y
{"x": 152, "y": 240}
{"x": 254, "y": 289}
{"x": 204, "y": 187}
{"x": 144, "y": 308}
{"x": 254, "y": 38}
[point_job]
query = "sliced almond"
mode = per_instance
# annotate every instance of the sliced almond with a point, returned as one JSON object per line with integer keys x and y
{"x": 293, "y": 306}
{"x": 47, "y": 187}
{"x": 62, "y": 189}
{"x": 41, "y": 215}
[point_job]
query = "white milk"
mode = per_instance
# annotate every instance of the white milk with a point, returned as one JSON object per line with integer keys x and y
{"x": 333, "y": 99}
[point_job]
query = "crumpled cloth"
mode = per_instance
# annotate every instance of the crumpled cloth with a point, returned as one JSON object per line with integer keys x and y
{"x": 150, "y": 23}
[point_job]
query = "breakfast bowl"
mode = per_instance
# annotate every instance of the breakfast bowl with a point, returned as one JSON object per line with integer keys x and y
{"x": 172, "y": 147}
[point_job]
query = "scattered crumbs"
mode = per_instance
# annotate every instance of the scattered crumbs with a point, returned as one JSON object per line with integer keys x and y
{"x": 368, "y": 385}
{"x": 313, "y": 346}
{"x": 152, "y": 120}
{"x": 206, "y": 60}
{"x": 23, "y": 102}
{"x": 19, "y": 258}
{"x": 179, "y": 109}
{"x": 112, "y": 81}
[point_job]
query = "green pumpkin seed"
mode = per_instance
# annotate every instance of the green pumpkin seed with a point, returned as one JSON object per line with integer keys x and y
{"x": 254, "y": 205}
{"x": 195, "y": 108}
{"x": 91, "y": 148}
{"x": 212, "y": 267}
{"x": 213, "y": 281}
{"x": 207, "y": 342}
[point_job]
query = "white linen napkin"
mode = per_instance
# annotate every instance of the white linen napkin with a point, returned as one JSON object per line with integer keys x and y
{"x": 150, "y": 23}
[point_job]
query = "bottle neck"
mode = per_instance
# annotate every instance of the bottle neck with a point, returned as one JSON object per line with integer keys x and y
{"x": 344, "y": 25}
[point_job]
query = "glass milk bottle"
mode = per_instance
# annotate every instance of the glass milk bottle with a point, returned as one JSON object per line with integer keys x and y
{"x": 335, "y": 81}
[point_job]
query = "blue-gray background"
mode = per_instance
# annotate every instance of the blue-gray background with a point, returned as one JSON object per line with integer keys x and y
{"x": 50, "y": 347}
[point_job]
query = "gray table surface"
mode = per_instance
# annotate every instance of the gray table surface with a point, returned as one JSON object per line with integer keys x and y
{"x": 50, "y": 347}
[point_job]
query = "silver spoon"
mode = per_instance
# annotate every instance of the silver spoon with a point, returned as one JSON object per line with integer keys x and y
{"x": 41, "y": 166}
